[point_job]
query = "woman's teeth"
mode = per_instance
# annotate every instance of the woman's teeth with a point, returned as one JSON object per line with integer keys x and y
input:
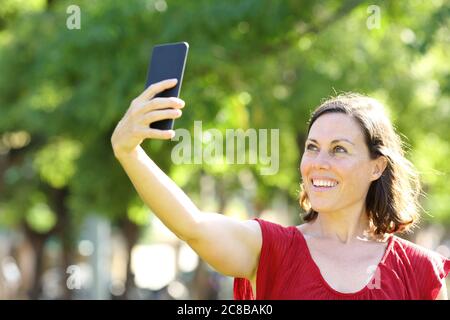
{"x": 324, "y": 183}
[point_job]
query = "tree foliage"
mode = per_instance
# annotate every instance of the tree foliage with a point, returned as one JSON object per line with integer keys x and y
{"x": 252, "y": 64}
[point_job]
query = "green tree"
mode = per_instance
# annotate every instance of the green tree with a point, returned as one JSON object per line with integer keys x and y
{"x": 252, "y": 64}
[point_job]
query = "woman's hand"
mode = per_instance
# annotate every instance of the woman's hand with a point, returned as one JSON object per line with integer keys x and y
{"x": 134, "y": 127}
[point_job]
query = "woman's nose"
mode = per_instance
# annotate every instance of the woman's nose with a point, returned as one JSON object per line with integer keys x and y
{"x": 322, "y": 161}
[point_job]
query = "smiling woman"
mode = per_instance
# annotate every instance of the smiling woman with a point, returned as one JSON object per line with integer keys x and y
{"x": 360, "y": 147}
{"x": 358, "y": 190}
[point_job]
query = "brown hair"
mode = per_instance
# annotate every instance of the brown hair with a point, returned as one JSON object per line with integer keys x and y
{"x": 392, "y": 200}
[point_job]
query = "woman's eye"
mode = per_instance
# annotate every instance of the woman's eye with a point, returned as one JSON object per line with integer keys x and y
{"x": 311, "y": 147}
{"x": 339, "y": 149}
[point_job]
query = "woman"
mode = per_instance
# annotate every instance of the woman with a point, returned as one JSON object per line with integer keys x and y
{"x": 358, "y": 191}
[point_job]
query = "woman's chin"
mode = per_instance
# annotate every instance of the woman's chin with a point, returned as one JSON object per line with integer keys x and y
{"x": 323, "y": 207}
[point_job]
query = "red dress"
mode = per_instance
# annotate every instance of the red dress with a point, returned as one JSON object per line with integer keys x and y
{"x": 287, "y": 271}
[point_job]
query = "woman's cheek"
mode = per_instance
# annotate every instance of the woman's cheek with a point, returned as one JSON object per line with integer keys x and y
{"x": 354, "y": 173}
{"x": 305, "y": 166}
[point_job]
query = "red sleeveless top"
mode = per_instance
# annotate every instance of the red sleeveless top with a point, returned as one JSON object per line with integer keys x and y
{"x": 287, "y": 271}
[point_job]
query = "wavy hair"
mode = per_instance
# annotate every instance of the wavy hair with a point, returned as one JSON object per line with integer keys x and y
{"x": 392, "y": 200}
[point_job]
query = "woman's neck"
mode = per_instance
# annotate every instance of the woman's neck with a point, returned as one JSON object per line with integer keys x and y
{"x": 343, "y": 227}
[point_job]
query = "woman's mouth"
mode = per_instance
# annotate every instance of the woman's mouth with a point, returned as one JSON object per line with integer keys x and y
{"x": 321, "y": 184}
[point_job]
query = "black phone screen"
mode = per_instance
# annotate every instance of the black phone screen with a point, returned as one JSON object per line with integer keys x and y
{"x": 167, "y": 61}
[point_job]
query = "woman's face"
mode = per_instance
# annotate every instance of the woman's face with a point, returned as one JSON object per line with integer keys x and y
{"x": 336, "y": 167}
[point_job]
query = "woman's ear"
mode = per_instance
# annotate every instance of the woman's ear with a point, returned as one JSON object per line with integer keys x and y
{"x": 380, "y": 165}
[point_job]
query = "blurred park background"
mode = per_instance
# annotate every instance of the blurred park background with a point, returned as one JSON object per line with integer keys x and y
{"x": 71, "y": 224}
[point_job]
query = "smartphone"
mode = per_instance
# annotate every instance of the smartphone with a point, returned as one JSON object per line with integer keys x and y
{"x": 167, "y": 61}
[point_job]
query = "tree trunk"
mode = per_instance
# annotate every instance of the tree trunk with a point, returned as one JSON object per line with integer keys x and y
{"x": 131, "y": 233}
{"x": 37, "y": 242}
{"x": 64, "y": 231}
{"x": 203, "y": 283}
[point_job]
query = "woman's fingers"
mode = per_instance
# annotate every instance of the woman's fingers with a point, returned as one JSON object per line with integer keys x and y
{"x": 156, "y": 88}
{"x": 139, "y": 108}
{"x": 150, "y": 133}
{"x": 146, "y": 102}
{"x": 146, "y": 109}
{"x": 157, "y": 115}
{"x": 160, "y": 103}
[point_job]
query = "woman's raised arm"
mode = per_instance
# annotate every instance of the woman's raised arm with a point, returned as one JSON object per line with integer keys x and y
{"x": 230, "y": 246}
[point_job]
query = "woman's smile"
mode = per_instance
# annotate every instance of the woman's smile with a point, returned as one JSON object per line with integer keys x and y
{"x": 323, "y": 184}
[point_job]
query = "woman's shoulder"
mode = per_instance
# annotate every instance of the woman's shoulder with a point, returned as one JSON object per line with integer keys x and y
{"x": 419, "y": 256}
{"x": 278, "y": 236}
{"x": 428, "y": 267}
{"x": 413, "y": 249}
{"x": 275, "y": 227}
